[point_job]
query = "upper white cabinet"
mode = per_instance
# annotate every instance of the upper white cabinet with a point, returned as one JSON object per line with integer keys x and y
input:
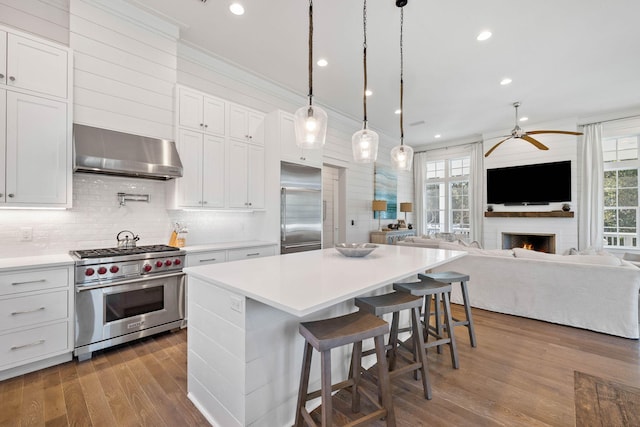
{"x": 221, "y": 146}
{"x": 35, "y": 122}
{"x": 34, "y": 65}
{"x": 246, "y": 124}
{"x": 197, "y": 111}
{"x": 281, "y": 128}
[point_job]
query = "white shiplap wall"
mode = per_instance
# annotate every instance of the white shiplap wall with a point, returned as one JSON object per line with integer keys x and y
{"x": 45, "y": 18}
{"x": 125, "y": 67}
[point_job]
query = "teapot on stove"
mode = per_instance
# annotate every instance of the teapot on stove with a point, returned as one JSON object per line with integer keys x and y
{"x": 128, "y": 240}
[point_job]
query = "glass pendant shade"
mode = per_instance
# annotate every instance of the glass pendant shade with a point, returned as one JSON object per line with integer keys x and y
{"x": 365, "y": 146}
{"x": 310, "y": 124}
{"x": 402, "y": 157}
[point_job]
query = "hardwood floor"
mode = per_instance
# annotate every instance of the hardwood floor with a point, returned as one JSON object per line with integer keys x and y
{"x": 521, "y": 374}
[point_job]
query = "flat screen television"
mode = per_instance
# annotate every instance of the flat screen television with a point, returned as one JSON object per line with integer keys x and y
{"x": 536, "y": 184}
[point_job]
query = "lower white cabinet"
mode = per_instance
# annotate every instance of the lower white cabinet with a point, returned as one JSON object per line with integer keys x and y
{"x": 253, "y": 252}
{"x": 36, "y": 318}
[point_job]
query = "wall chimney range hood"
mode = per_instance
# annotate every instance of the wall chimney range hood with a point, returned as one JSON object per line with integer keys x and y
{"x": 116, "y": 153}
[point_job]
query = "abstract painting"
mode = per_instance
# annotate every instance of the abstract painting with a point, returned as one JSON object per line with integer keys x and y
{"x": 386, "y": 188}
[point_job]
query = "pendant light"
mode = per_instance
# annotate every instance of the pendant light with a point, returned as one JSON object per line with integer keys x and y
{"x": 365, "y": 141}
{"x": 401, "y": 155}
{"x": 310, "y": 122}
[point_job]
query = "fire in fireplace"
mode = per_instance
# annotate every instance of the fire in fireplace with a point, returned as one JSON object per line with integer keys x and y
{"x": 534, "y": 241}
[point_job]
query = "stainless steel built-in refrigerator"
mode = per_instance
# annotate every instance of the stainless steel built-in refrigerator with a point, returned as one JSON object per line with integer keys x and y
{"x": 300, "y": 208}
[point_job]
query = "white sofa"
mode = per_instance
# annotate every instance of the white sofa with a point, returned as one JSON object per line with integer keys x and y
{"x": 595, "y": 292}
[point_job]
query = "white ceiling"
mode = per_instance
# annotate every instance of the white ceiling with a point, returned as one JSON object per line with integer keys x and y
{"x": 568, "y": 58}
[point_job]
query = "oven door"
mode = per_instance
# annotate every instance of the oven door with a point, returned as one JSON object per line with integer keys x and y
{"x": 107, "y": 311}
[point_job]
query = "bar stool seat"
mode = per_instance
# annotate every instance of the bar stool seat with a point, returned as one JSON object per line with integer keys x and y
{"x": 395, "y": 302}
{"x": 326, "y": 334}
{"x": 429, "y": 288}
{"x": 452, "y": 277}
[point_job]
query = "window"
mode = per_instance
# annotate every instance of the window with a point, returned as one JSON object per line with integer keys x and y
{"x": 446, "y": 195}
{"x": 621, "y": 165}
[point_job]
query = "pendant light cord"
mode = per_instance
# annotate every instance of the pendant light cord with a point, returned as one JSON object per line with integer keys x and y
{"x": 401, "y": 78}
{"x": 364, "y": 61}
{"x": 310, "y": 52}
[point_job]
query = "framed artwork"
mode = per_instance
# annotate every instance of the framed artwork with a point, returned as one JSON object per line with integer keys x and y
{"x": 386, "y": 188}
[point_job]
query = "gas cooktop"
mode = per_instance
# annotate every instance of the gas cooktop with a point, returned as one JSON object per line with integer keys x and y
{"x": 114, "y": 252}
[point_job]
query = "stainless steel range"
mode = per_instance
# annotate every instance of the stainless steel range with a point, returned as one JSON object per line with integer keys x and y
{"x": 126, "y": 293}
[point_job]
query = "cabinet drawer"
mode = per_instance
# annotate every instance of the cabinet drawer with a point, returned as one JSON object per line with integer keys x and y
{"x": 33, "y": 280}
{"x": 247, "y": 253}
{"x": 203, "y": 258}
{"x": 33, "y": 309}
{"x": 36, "y": 343}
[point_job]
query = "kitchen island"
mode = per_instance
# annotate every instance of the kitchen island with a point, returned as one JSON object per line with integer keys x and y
{"x": 244, "y": 349}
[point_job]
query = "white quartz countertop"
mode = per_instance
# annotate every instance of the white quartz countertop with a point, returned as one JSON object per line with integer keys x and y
{"x": 305, "y": 282}
{"x": 227, "y": 245}
{"x": 35, "y": 261}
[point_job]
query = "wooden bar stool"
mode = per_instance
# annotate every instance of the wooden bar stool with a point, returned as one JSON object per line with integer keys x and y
{"x": 428, "y": 288}
{"x": 453, "y": 277}
{"x": 324, "y": 335}
{"x": 395, "y": 302}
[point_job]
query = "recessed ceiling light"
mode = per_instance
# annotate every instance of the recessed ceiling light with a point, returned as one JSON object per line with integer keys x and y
{"x": 236, "y": 9}
{"x": 437, "y": 136}
{"x": 485, "y": 35}
{"x": 505, "y": 81}
{"x": 322, "y": 62}
{"x": 398, "y": 111}
{"x": 368, "y": 92}
{"x": 524, "y": 119}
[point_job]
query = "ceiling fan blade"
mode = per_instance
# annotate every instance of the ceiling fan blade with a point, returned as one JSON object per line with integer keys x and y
{"x": 564, "y": 132}
{"x": 535, "y": 142}
{"x": 496, "y": 146}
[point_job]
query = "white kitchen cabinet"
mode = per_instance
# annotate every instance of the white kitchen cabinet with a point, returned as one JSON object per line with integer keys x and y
{"x": 246, "y": 177}
{"x": 36, "y": 318}
{"x": 281, "y": 129}
{"x": 200, "y": 112}
{"x": 3, "y": 57}
{"x": 246, "y": 124}
{"x": 34, "y": 65}
{"x": 37, "y": 166}
{"x": 207, "y": 257}
{"x": 203, "y": 160}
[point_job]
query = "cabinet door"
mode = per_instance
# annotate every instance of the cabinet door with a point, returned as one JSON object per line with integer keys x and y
{"x": 36, "y": 66}
{"x": 3, "y": 57}
{"x": 190, "y": 114}
{"x": 238, "y": 122}
{"x": 213, "y": 172}
{"x": 238, "y": 174}
{"x": 190, "y": 184}
{"x": 213, "y": 111}
{"x": 256, "y": 178}
{"x": 37, "y": 150}
{"x": 255, "y": 127}
{"x": 3, "y": 142}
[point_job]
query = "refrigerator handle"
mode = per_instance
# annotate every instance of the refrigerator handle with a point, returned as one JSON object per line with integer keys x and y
{"x": 283, "y": 214}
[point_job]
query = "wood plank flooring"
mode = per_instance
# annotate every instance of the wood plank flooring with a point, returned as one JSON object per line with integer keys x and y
{"x": 521, "y": 374}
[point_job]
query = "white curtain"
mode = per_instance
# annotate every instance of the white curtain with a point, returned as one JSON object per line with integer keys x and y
{"x": 476, "y": 186}
{"x": 419, "y": 174}
{"x": 590, "y": 172}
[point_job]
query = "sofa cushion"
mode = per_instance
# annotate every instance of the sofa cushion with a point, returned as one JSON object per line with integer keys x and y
{"x": 582, "y": 259}
{"x": 476, "y": 251}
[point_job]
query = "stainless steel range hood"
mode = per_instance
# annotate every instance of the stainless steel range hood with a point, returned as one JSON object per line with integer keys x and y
{"x": 116, "y": 153}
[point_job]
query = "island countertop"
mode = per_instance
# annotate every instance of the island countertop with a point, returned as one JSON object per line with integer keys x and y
{"x": 305, "y": 282}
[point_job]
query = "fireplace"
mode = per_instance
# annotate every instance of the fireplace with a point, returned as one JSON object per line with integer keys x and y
{"x": 535, "y": 241}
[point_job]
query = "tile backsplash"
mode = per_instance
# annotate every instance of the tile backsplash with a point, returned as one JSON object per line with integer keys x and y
{"x": 97, "y": 217}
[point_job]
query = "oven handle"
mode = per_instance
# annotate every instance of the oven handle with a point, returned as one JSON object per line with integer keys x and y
{"x": 127, "y": 282}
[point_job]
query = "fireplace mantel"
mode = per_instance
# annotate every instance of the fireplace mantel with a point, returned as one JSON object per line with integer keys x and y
{"x": 514, "y": 214}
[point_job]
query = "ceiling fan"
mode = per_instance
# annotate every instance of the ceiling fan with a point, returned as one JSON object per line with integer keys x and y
{"x": 518, "y": 133}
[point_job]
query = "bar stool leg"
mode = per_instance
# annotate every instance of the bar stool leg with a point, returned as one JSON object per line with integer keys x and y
{"x": 419, "y": 350}
{"x": 450, "y": 332}
{"x": 467, "y": 312}
{"x": 393, "y": 340}
{"x": 439, "y": 326}
{"x": 384, "y": 385}
{"x": 356, "y": 359}
{"x": 304, "y": 384}
{"x": 325, "y": 364}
